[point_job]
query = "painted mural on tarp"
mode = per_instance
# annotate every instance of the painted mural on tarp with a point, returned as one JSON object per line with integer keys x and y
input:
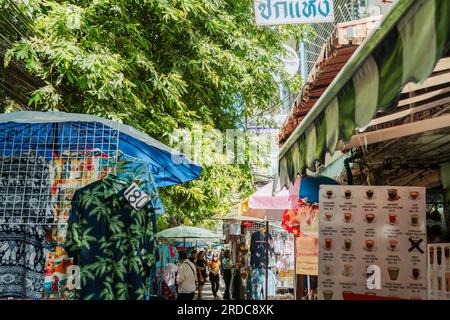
{"x": 271, "y": 12}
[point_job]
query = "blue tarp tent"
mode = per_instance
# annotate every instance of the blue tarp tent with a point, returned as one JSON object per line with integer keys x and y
{"x": 49, "y": 133}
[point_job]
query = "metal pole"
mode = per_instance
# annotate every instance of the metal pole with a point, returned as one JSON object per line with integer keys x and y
{"x": 295, "y": 267}
{"x": 267, "y": 258}
{"x": 309, "y": 287}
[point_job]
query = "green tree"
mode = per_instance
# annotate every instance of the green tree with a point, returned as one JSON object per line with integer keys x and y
{"x": 157, "y": 65}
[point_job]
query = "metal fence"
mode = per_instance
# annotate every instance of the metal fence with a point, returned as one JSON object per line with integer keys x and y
{"x": 344, "y": 10}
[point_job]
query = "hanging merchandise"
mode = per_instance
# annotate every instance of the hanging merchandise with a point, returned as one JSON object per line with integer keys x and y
{"x": 22, "y": 261}
{"x": 166, "y": 270}
{"x": 235, "y": 229}
{"x": 257, "y": 284}
{"x": 45, "y": 159}
{"x": 290, "y": 221}
{"x": 71, "y": 171}
{"x": 25, "y": 211}
{"x": 112, "y": 242}
{"x": 258, "y": 249}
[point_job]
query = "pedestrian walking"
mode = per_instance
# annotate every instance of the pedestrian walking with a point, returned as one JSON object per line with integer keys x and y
{"x": 227, "y": 265}
{"x": 186, "y": 278}
{"x": 201, "y": 273}
{"x": 214, "y": 275}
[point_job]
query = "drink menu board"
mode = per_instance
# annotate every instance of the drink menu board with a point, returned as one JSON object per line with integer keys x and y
{"x": 382, "y": 227}
{"x": 439, "y": 271}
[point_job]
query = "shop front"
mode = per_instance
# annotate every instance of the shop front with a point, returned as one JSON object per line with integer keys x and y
{"x": 387, "y": 113}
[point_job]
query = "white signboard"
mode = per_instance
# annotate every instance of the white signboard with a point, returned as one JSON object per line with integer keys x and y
{"x": 272, "y": 12}
{"x": 372, "y": 241}
{"x": 439, "y": 271}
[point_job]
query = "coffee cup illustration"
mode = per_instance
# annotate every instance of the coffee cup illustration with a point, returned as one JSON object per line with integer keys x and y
{"x": 329, "y": 194}
{"x": 370, "y": 244}
{"x": 414, "y": 195}
{"x": 370, "y": 217}
{"x": 393, "y": 244}
{"x": 328, "y": 243}
{"x": 447, "y": 255}
{"x": 347, "y": 194}
{"x": 327, "y": 294}
{"x": 328, "y": 215}
{"x": 392, "y": 218}
{"x": 348, "y": 244}
{"x": 431, "y": 255}
{"x": 347, "y": 270}
{"x": 439, "y": 255}
{"x": 414, "y": 219}
{"x": 393, "y": 273}
{"x": 369, "y": 193}
{"x": 447, "y": 281}
{"x": 347, "y": 217}
{"x": 392, "y": 194}
{"x": 415, "y": 273}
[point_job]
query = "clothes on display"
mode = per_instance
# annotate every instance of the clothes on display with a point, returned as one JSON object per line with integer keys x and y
{"x": 112, "y": 243}
{"x": 226, "y": 230}
{"x": 22, "y": 260}
{"x": 25, "y": 190}
{"x": 167, "y": 255}
{"x": 72, "y": 194}
{"x": 71, "y": 171}
{"x": 258, "y": 250}
{"x": 25, "y": 209}
{"x": 165, "y": 281}
{"x": 256, "y": 284}
{"x": 235, "y": 229}
{"x": 284, "y": 250}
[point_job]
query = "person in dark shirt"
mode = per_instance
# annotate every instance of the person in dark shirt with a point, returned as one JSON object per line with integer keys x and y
{"x": 221, "y": 256}
{"x": 201, "y": 272}
{"x": 193, "y": 257}
{"x": 227, "y": 264}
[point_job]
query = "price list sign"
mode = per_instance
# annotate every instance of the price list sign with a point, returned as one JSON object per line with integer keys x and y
{"x": 372, "y": 241}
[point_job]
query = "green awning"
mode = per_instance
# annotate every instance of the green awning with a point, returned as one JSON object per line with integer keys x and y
{"x": 406, "y": 47}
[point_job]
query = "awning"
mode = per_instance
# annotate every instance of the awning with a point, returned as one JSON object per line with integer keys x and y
{"x": 406, "y": 48}
{"x": 263, "y": 205}
{"x": 185, "y": 232}
{"x": 82, "y": 132}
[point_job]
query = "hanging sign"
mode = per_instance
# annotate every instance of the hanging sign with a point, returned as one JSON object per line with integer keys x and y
{"x": 136, "y": 197}
{"x": 372, "y": 241}
{"x": 307, "y": 259}
{"x": 272, "y": 12}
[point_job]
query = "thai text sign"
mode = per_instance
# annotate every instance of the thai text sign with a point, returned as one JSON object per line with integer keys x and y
{"x": 271, "y": 12}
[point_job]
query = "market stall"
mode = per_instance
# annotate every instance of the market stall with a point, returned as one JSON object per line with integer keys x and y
{"x": 271, "y": 247}
{"x": 187, "y": 233}
{"x": 71, "y": 186}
